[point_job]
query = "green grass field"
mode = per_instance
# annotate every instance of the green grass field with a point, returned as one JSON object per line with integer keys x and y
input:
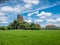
{"x": 30, "y": 37}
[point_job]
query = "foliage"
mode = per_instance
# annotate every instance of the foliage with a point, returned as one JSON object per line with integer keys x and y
{"x": 34, "y": 26}
{"x": 3, "y": 28}
{"x": 16, "y": 24}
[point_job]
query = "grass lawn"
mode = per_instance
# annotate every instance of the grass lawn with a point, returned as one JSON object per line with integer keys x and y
{"x": 30, "y": 37}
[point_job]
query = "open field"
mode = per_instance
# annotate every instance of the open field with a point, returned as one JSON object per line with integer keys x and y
{"x": 30, "y": 37}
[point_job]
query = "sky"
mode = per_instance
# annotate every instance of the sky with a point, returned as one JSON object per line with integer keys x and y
{"x": 43, "y": 12}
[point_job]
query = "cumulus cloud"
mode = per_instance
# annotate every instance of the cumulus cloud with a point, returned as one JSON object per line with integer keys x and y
{"x": 10, "y": 9}
{"x": 38, "y": 20}
{"x": 44, "y": 14}
{"x": 44, "y": 4}
{"x": 3, "y": 18}
{"x": 6, "y": 8}
{"x": 51, "y": 20}
{"x": 27, "y": 5}
{"x": 29, "y": 21}
{"x": 55, "y": 21}
{"x": 30, "y": 14}
{"x": 31, "y": 1}
{"x": 1, "y": 13}
{"x": 58, "y": 19}
{"x": 41, "y": 14}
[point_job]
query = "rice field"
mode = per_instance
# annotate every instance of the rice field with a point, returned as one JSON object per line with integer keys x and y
{"x": 30, "y": 37}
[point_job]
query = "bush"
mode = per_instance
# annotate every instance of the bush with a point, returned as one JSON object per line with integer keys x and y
{"x": 3, "y": 28}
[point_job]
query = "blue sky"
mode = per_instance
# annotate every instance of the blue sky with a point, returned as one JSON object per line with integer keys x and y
{"x": 43, "y": 12}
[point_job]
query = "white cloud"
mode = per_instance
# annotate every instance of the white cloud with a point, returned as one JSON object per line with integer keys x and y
{"x": 27, "y": 6}
{"x": 57, "y": 24}
{"x": 36, "y": 12}
{"x": 1, "y": 13}
{"x": 29, "y": 21}
{"x": 51, "y": 20}
{"x": 10, "y": 9}
{"x": 55, "y": 21}
{"x": 58, "y": 19}
{"x": 41, "y": 15}
{"x": 44, "y": 4}
{"x": 31, "y": 1}
{"x": 3, "y": 18}
{"x": 6, "y": 8}
{"x": 30, "y": 14}
{"x": 44, "y": 14}
{"x": 38, "y": 20}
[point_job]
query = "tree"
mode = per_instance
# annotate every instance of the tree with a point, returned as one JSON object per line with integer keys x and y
{"x": 13, "y": 25}
{"x": 26, "y": 25}
{"x": 38, "y": 27}
{"x": 34, "y": 26}
{"x": 3, "y": 27}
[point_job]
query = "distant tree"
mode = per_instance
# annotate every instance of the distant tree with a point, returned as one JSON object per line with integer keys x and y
{"x": 13, "y": 25}
{"x": 3, "y": 27}
{"x": 35, "y": 26}
{"x": 26, "y": 25}
{"x": 38, "y": 27}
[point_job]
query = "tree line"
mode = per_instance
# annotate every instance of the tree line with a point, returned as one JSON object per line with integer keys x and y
{"x": 19, "y": 23}
{"x": 16, "y": 24}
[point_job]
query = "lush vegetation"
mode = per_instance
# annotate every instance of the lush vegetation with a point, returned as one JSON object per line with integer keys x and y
{"x": 19, "y": 23}
{"x": 16, "y": 24}
{"x": 29, "y": 37}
